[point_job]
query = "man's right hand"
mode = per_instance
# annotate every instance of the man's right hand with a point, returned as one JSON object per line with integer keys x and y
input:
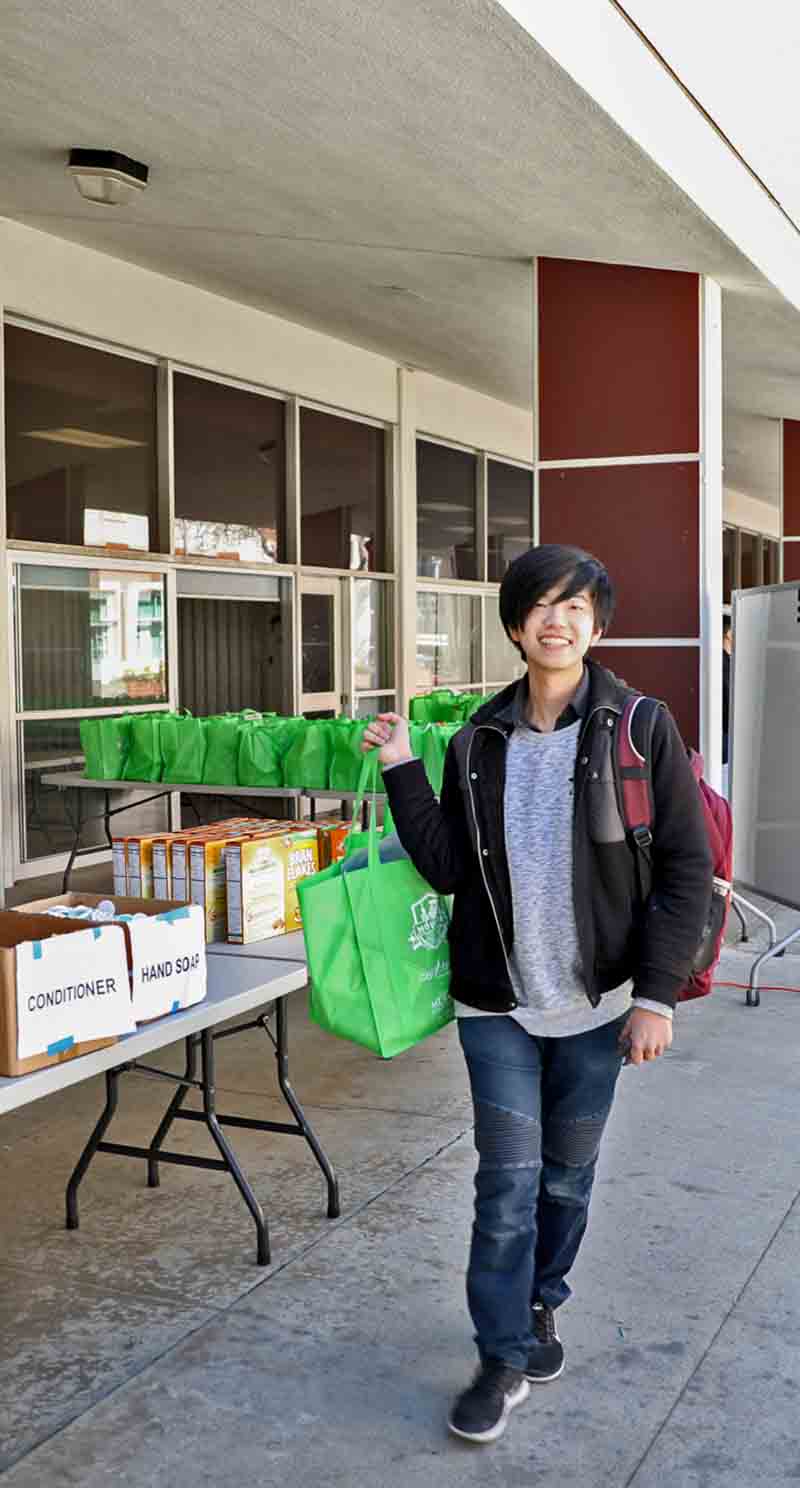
{"x": 389, "y": 733}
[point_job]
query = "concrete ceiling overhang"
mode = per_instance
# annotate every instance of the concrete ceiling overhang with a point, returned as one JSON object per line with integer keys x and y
{"x": 382, "y": 170}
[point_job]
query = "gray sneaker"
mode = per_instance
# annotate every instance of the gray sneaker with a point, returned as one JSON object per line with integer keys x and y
{"x": 546, "y": 1358}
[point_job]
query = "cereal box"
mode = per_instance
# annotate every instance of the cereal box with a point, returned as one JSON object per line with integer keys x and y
{"x": 262, "y": 874}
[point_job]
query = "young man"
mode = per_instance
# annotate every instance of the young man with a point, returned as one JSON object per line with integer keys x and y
{"x": 558, "y": 972}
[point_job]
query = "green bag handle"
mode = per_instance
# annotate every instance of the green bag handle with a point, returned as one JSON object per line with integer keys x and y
{"x": 367, "y": 786}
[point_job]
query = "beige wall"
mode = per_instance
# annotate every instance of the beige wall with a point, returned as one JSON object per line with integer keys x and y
{"x": 64, "y": 285}
{"x": 746, "y": 511}
{"x": 468, "y": 417}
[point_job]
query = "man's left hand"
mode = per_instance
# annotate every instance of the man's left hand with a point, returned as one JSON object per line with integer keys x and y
{"x": 645, "y": 1036}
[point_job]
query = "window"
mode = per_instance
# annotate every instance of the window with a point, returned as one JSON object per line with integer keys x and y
{"x": 748, "y": 560}
{"x": 446, "y": 512}
{"x": 750, "y": 575}
{"x": 342, "y": 493}
{"x": 772, "y": 561}
{"x": 729, "y": 563}
{"x": 80, "y": 444}
{"x": 448, "y": 631}
{"x": 230, "y": 471}
{"x": 90, "y": 638}
{"x": 373, "y": 635}
{"x": 503, "y": 661}
{"x": 510, "y": 515}
{"x": 47, "y": 821}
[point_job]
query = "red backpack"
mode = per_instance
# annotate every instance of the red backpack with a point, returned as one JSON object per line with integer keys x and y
{"x": 633, "y": 753}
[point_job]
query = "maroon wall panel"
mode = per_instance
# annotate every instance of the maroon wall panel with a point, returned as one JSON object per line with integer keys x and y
{"x": 642, "y": 521}
{"x": 618, "y": 361}
{"x": 791, "y": 478}
{"x": 671, "y": 673}
{"x": 791, "y": 562}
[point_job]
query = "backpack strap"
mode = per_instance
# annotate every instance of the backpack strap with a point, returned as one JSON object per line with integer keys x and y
{"x": 633, "y": 759}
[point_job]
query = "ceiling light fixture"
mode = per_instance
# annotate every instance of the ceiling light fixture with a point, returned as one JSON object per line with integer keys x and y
{"x": 84, "y": 439}
{"x": 105, "y": 177}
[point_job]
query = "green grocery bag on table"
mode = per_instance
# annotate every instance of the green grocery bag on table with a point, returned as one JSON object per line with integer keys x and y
{"x": 183, "y": 749}
{"x": 434, "y": 748}
{"x": 435, "y": 707}
{"x": 259, "y": 757}
{"x": 346, "y": 755}
{"x": 308, "y": 761}
{"x": 145, "y": 760}
{"x": 376, "y": 939}
{"x": 105, "y": 743}
{"x": 223, "y": 734}
{"x": 283, "y": 733}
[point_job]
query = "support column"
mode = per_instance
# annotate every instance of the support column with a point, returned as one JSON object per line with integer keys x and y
{"x": 629, "y": 466}
{"x": 405, "y": 529}
{"x": 790, "y": 502}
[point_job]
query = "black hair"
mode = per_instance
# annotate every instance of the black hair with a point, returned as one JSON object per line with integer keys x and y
{"x": 727, "y": 624}
{"x": 541, "y": 569}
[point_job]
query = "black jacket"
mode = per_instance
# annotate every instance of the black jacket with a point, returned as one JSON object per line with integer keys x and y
{"x": 459, "y": 847}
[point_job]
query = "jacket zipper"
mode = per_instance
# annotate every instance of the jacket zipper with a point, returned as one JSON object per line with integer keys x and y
{"x": 601, "y": 708}
{"x": 480, "y": 850}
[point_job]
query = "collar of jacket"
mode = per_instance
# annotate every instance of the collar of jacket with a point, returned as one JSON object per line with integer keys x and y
{"x": 605, "y": 691}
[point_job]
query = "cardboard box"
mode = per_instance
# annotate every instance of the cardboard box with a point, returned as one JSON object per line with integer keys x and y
{"x": 262, "y": 873}
{"x": 139, "y": 858}
{"x": 120, "y": 864}
{"x": 54, "y": 997}
{"x": 207, "y": 884}
{"x": 162, "y": 867}
{"x": 165, "y": 952}
{"x": 332, "y": 833}
{"x": 178, "y": 867}
{"x": 207, "y": 872}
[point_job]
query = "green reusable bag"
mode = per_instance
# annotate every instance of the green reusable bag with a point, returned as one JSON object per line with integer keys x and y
{"x": 183, "y": 750}
{"x": 377, "y": 948}
{"x": 418, "y": 709}
{"x": 144, "y": 761}
{"x": 346, "y": 755}
{"x": 283, "y": 733}
{"x": 105, "y": 743}
{"x": 308, "y": 761}
{"x": 259, "y": 760}
{"x": 470, "y": 703}
{"x": 434, "y": 748}
{"x": 222, "y": 747}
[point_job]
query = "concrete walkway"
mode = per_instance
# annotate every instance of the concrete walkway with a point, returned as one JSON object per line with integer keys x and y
{"x": 148, "y": 1349}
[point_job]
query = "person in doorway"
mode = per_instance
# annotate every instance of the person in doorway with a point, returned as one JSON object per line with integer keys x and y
{"x": 557, "y": 971}
{"x": 727, "y": 652}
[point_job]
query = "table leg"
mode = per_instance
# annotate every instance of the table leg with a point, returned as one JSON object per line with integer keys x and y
{"x": 228, "y": 1155}
{"x": 192, "y": 1046}
{"x": 281, "y": 1043}
{"x": 77, "y": 827}
{"x": 112, "y": 1098}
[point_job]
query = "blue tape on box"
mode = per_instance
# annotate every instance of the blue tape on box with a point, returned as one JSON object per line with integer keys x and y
{"x": 37, "y": 950}
{"x": 176, "y": 1007}
{"x": 174, "y": 914}
{"x": 61, "y": 1045}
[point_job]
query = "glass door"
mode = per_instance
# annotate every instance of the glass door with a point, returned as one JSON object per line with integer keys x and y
{"x": 320, "y": 648}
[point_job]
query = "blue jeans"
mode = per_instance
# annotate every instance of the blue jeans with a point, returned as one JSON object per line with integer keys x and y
{"x": 541, "y": 1106}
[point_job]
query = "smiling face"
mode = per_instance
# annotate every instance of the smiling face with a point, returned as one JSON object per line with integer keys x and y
{"x": 558, "y": 632}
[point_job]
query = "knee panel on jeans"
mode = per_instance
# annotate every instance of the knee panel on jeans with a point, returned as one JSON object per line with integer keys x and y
{"x": 506, "y": 1139}
{"x": 574, "y": 1144}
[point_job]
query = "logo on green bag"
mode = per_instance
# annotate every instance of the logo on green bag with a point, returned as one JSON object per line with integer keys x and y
{"x": 429, "y": 924}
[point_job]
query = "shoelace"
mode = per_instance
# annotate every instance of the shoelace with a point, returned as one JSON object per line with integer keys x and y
{"x": 544, "y": 1324}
